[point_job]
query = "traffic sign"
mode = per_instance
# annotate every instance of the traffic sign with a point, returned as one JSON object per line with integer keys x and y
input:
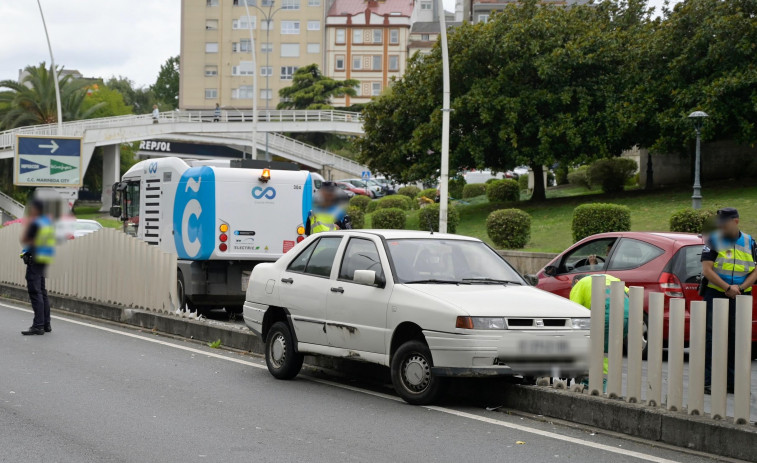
{"x": 48, "y": 161}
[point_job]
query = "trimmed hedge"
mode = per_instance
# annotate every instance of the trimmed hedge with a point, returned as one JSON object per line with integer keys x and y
{"x": 429, "y": 193}
{"x": 612, "y": 174}
{"x": 428, "y": 218}
{"x": 357, "y": 217}
{"x": 398, "y": 201}
{"x": 523, "y": 182}
{"x": 492, "y": 180}
{"x": 693, "y": 221}
{"x": 509, "y": 228}
{"x": 590, "y": 219}
{"x": 503, "y": 190}
{"x": 580, "y": 177}
{"x": 410, "y": 191}
{"x": 360, "y": 201}
{"x": 391, "y": 218}
{"x": 455, "y": 187}
{"x": 472, "y": 190}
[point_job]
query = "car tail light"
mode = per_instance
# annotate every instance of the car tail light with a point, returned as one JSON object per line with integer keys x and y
{"x": 222, "y": 247}
{"x": 300, "y": 239}
{"x": 223, "y": 237}
{"x": 671, "y": 285}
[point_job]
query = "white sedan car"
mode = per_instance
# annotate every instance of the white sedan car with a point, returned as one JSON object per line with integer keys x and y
{"x": 427, "y": 305}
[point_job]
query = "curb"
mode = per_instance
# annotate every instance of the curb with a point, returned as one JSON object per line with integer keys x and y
{"x": 654, "y": 424}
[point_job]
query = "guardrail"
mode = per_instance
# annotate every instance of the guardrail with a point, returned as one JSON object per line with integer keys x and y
{"x": 310, "y": 152}
{"x": 11, "y": 206}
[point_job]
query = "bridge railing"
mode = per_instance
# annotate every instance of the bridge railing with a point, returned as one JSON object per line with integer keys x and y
{"x": 11, "y": 206}
{"x": 310, "y": 152}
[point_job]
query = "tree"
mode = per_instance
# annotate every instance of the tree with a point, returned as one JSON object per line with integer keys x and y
{"x": 166, "y": 87}
{"x": 109, "y": 102}
{"x": 140, "y": 99}
{"x": 310, "y": 89}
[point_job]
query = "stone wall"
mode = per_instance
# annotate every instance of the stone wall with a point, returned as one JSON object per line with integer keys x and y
{"x": 527, "y": 262}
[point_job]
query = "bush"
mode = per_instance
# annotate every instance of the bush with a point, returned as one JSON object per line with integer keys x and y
{"x": 429, "y": 193}
{"x": 492, "y": 180}
{"x": 509, "y": 228}
{"x": 503, "y": 190}
{"x": 523, "y": 182}
{"x": 391, "y": 218}
{"x": 410, "y": 191}
{"x": 398, "y": 201}
{"x": 455, "y": 187}
{"x": 561, "y": 174}
{"x": 580, "y": 177}
{"x": 590, "y": 219}
{"x": 428, "y": 218}
{"x": 357, "y": 216}
{"x": 692, "y": 221}
{"x": 612, "y": 174}
{"x": 474, "y": 189}
{"x": 361, "y": 202}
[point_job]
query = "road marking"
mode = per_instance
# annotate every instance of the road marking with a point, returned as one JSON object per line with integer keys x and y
{"x": 449, "y": 411}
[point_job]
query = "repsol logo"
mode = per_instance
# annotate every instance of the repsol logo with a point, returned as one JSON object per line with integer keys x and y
{"x": 151, "y": 145}
{"x": 267, "y": 192}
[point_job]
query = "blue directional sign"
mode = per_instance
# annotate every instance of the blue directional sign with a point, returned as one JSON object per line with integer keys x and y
{"x": 365, "y": 175}
{"x": 48, "y": 161}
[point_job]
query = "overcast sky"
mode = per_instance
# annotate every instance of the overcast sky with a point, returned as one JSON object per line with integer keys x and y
{"x": 100, "y": 38}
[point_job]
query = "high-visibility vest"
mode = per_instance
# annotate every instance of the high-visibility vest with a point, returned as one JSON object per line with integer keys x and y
{"x": 322, "y": 222}
{"x": 734, "y": 261}
{"x": 44, "y": 242}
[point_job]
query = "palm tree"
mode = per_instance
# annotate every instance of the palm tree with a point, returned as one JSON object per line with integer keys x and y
{"x": 32, "y": 101}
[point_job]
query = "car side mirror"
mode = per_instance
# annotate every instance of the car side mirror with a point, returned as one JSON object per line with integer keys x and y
{"x": 532, "y": 279}
{"x": 550, "y": 270}
{"x": 366, "y": 277}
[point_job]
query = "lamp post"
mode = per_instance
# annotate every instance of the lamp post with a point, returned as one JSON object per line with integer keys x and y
{"x": 697, "y": 117}
{"x": 55, "y": 71}
{"x": 444, "y": 180}
{"x": 254, "y": 85}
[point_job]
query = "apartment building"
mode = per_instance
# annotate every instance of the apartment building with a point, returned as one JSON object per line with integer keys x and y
{"x": 425, "y": 28}
{"x": 216, "y": 59}
{"x": 366, "y": 40}
{"x": 476, "y": 11}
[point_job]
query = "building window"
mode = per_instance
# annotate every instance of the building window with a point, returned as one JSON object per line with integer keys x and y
{"x": 314, "y": 25}
{"x": 266, "y": 47}
{"x": 243, "y": 69}
{"x": 482, "y": 18}
{"x": 425, "y": 37}
{"x": 314, "y": 48}
{"x": 244, "y": 92}
{"x": 375, "y": 88}
{"x": 266, "y": 71}
{"x": 243, "y": 2}
{"x": 376, "y": 62}
{"x": 211, "y": 24}
{"x": 394, "y": 36}
{"x": 211, "y": 93}
{"x": 339, "y": 62}
{"x": 357, "y": 36}
{"x": 211, "y": 2}
{"x": 211, "y": 47}
{"x": 425, "y": 5}
{"x": 357, "y": 62}
{"x": 244, "y": 22}
{"x": 211, "y": 71}
{"x": 377, "y": 33}
{"x": 266, "y": 94}
{"x": 314, "y": 2}
{"x": 290, "y": 50}
{"x": 290, "y": 27}
{"x": 340, "y": 36}
{"x": 267, "y": 2}
{"x": 394, "y": 63}
{"x": 243, "y": 46}
{"x": 266, "y": 25}
{"x": 287, "y": 72}
{"x": 290, "y": 4}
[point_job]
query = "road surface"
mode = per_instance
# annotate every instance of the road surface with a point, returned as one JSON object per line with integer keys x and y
{"x": 96, "y": 392}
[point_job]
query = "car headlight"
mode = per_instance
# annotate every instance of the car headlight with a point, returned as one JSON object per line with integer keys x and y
{"x": 481, "y": 323}
{"x": 581, "y": 323}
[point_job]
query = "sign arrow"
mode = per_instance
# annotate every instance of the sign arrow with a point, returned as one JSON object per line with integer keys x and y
{"x": 53, "y": 146}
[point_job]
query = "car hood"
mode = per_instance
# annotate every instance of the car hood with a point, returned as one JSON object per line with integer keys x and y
{"x": 503, "y": 300}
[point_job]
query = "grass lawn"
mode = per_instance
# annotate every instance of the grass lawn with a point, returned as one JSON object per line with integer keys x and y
{"x": 92, "y": 213}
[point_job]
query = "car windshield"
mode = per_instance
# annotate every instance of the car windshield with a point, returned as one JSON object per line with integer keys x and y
{"x": 87, "y": 226}
{"x": 440, "y": 261}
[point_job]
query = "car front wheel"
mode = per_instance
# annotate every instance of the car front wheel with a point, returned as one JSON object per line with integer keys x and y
{"x": 280, "y": 356}
{"x": 411, "y": 374}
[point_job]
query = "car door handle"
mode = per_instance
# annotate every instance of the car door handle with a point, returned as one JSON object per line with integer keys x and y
{"x": 287, "y": 280}
{"x": 337, "y": 290}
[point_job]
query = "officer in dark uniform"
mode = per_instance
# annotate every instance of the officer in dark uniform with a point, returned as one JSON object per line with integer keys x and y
{"x": 38, "y": 240}
{"x": 728, "y": 263}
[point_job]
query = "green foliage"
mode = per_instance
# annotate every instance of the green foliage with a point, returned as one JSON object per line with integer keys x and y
{"x": 215, "y": 344}
{"x": 140, "y": 99}
{"x": 360, "y": 201}
{"x": 491, "y": 180}
{"x": 503, "y": 190}
{"x": 690, "y": 220}
{"x": 509, "y": 228}
{"x": 398, "y": 201}
{"x": 108, "y": 102}
{"x": 580, "y": 177}
{"x": 166, "y": 87}
{"x": 410, "y": 191}
{"x": 561, "y": 174}
{"x": 428, "y": 218}
{"x": 472, "y": 190}
{"x": 612, "y": 174}
{"x": 429, "y": 193}
{"x": 392, "y": 218}
{"x": 371, "y": 206}
{"x": 310, "y": 89}
{"x": 455, "y": 187}
{"x": 523, "y": 182}
{"x": 590, "y": 219}
{"x": 357, "y": 216}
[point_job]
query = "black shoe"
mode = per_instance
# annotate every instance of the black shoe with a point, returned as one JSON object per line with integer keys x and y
{"x": 48, "y": 328}
{"x": 32, "y": 331}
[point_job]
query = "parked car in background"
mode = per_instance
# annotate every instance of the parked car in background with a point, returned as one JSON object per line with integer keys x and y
{"x": 346, "y": 188}
{"x": 359, "y": 183}
{"x": 386, "y": 185}
{"x": 353, "y": 189}
{"x": 69, "y": 228}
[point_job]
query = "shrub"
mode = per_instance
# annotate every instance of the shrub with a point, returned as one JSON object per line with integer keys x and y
{"x": 391, "y": 218}
{"x": 361, "y": 202}
{"x": 509, "y": 228}
{"x": 523, "y": 182}
{"x": 455, "y": 187}
{"x": 580, "y": 177}
{"x": 612, "y": 174}
{"x": 429, "y": 193}
{"x": 561, "y": 174}
{"x": 590, "y": 219}
{"x": 692, "y": 221}
{"x": 428, "y": 218}
{"x": 492, "y": 180}
{"x": 398, "y": 201}
{"x": 503, "y": 190}
{"x": 474, "y": 189}
{"x": 357, "y": 216}
{"x": 410, "y": 191}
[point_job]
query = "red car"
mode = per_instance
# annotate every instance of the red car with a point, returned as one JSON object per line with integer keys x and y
{"x": 352, "y": 188}
{"x": 660, "y": 262}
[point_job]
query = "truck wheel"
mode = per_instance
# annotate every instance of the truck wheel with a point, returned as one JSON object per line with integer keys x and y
{"x": 411, "y": 374}
{"x": 181, "y": 294}
{"x": 280, "y": 357}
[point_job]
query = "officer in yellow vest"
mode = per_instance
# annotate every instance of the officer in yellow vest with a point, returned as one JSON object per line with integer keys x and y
{"x": 728, "y": 262}
{"x": 38, "y": 240}
{"x": 328, "y": 213}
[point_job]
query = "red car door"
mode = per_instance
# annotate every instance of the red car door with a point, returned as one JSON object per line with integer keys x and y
{"x": 585, "y": 258}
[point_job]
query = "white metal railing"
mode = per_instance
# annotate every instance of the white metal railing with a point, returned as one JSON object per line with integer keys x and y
{"x": 107, "y": 266}
{"x": 11, "y": 206}
{"x": 323, "y": 157}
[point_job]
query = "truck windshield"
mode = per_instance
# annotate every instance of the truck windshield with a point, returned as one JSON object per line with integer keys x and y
{"x": 439, "y": 261}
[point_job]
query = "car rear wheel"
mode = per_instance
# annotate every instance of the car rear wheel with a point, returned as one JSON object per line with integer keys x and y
{"x": 411, "y": 374}
{"x": 280, "y": 356}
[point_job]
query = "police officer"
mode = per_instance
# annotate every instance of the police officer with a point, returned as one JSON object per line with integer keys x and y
{"x": 38, "y": 240}
{"x": 328, "y": 213}
{"x": 728, "y": 267}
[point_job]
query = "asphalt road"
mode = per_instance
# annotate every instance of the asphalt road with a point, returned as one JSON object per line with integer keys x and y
{"x": 96, "y": 392}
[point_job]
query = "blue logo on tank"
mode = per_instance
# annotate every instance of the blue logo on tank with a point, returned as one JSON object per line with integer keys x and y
{"x": 267, "y": 192}
{"x": 194, "y": 214}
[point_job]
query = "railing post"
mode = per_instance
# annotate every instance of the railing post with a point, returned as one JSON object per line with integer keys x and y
{"x": 743, "y": 361}
{"x": 597, "y": 335}
{"x": 615, "y": 348}
{"x": 719, "y": 357}
{"x": 635, "y": 342}
{"x": 697, "y": 341}
{"x": 654, "y": 349}
{"x": 675, "y": 354}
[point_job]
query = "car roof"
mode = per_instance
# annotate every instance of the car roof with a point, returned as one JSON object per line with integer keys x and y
{"x": 402, "y": 234}
{"x": 682, "y": 239}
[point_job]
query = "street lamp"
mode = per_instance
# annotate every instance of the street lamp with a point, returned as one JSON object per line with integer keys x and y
{"x": 444, "y": 180}
{"x": 697, "y": 118}
{"x": 55, "y": 71}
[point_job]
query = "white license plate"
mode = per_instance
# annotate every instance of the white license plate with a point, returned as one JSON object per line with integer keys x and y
{"x": 543, "y": 347}
{"x": 245, "y": 280}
